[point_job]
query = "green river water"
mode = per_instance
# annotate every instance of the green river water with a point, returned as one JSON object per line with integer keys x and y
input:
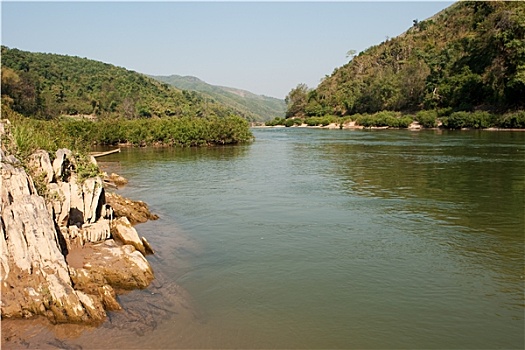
{"x": 340, "y": 239}
{"x": 311, "y": 238}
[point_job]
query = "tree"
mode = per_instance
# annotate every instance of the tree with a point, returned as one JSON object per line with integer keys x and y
{"x": 351, "y": 53}
{"x": 296, "y": 101}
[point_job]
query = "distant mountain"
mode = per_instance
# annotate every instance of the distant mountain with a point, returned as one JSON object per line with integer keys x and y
{"x": 469, "y": 56}
{"x": 253, "y": 107}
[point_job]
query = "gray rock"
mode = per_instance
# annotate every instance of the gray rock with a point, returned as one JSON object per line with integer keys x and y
{"x": 93, "y": 193}
{"x": 97, "y": 232}
{"x": 41, "y": 162}
{"x": 35, "y": 277}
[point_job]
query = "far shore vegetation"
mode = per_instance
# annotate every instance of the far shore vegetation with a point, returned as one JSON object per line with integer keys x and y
{"x": 444, "y": 118}
{"x": 462, "y": 68}
{"x": 32, "y": 134}
{"x": 56, "y": 101}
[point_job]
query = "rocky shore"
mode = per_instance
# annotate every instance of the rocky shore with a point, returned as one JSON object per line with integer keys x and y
{"x": 67, "y": 247}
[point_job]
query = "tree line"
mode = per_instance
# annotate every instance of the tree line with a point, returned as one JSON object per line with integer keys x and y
{"x": 468, "y": 58}
{"x": 45, "y": 86}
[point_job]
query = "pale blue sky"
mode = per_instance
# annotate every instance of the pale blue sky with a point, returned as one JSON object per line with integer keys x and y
{"x": 264, "y": 47}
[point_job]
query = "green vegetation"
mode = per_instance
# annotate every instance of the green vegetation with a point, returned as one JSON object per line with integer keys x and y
{"x": 468, "y": 59}
{"x": 44, "y": 86}
{"x": 56, "y": 101}
{"x": 446, "y": 118}
{"x": 384, "y": 118}
{"x": 33, "y": 134}
{"x": 254, "y": 108}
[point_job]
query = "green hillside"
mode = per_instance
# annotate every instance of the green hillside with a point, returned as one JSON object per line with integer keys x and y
{"x": 56, "y": 101}
{"x": 45, "y": 86}
{"x": 469, "y": 57}
{"x": 251, "y": 106}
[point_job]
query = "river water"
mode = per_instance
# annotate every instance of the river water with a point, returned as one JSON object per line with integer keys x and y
{"x": 310, "y": 238}
{"x": 340, "y": 239}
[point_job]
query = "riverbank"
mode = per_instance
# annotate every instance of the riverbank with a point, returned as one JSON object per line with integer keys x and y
{"x": 353, "y": 126}
{"x": 68, "y": 247}
{"x": 137, "y": 311}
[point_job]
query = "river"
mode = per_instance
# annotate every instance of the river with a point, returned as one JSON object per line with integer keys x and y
{"x": 310, "y": 238}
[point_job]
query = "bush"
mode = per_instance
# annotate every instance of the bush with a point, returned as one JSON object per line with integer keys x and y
{"x": 476, "y": 120}
{"x": 289, "y": 122}
{"x": 275, "y": 121}
{"x": 513, "y": 120}
{"x": 384, "y": 118}
{"x": 427, "y": 119}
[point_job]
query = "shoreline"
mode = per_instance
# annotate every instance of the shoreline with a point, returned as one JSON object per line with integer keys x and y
{"x": 334, "y": 126}
{"x": 140, "y": 310}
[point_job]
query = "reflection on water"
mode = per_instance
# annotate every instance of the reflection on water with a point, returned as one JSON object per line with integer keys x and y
{"x": 337, "y": 239}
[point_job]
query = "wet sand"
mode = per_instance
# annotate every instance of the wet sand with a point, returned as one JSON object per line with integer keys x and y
{"x": 142, "y": 312}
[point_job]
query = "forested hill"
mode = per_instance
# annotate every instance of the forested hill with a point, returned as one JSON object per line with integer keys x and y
{"x": 253, "y": 107}
{"x": 469, "y": 56}
{"x": 48, "y": 85}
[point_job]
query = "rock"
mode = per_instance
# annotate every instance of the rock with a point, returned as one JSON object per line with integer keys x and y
{"x": 60, "y": 198}
{"x": 125, "y": 233}
{"x": 61, "y": 163}
{"x": 147, "y": 246}
{"x": 76, "y": 210}
{"x": 56, "y": 257}
{"x": 117, "y": 179}
{"x": 93, "y": 306}
{"x": 95, "y": 284}
{"x": 122, "y": 267}
{"x": 94, "y": 198}
{"x": 42, "y": 164}
{"x": 97, "y": 232}
{"x": 35, "y": 278}
{"x": 135, "y": 211}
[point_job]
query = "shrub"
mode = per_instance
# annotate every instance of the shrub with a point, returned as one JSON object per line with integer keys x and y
{"x": 476, "y": 120}
{"x": 275, "y": 121}
{"x": 427, "y": 119}
{"x": 513, "y": 120}
{"x": 289, "y": 122}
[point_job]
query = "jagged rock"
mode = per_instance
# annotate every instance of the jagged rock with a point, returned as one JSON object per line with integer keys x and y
{"x": 93, "y": 194}
{"x": 93, "y": 306}
{"x": 35, "y": 278}
{"x": 61, "y": 163}
{"x": 135, "y": 211}
{"x": 125, "y": 233}
{"x": 95, "y": 284}
{"x": 36, "y": 237}
{"x": 147, "y": 246}
{"x": 76, "y": 210}
{"x": 60, "y": 198}
{"x": 99, "y": 231}
{"x": 42, "y": 164}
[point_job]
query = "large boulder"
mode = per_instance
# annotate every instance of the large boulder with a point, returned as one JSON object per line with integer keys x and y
{"x": 121, "y": 267}
{"x": 35, "y": 277}
{"x": 56, "y": 257}
{"x": 135, "y": 211}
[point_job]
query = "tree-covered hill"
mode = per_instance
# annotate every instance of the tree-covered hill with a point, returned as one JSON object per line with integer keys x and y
{"x": 470, "y": 56}
{"x": 253, "y": 107}
{"x": 45, "y": 86}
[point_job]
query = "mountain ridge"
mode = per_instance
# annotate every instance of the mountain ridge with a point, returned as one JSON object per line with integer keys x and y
{"x": 254, "y": 107}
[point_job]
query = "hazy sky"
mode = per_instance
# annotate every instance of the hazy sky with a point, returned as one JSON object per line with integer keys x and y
{"x": 264, "y": 47}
